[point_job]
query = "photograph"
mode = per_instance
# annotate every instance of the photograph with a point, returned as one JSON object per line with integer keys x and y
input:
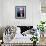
{"x": 20, "y": 12}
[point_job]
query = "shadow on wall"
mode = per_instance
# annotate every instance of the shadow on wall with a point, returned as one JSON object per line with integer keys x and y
{"x": 1, "y": 32}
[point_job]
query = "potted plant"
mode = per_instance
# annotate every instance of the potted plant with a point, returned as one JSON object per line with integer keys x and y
{"x": 34, "y": 39}
{"x": 41, "y": 27}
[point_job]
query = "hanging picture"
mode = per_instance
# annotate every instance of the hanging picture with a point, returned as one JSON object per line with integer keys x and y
{"x": 20, "y": 12}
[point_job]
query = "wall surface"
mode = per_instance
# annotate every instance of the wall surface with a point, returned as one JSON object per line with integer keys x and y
{"x": 36, "y": 7}
{"x": 0, "y": 13}
{"x": 32, "y": 12}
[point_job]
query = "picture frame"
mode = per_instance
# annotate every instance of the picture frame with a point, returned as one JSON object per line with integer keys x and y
{"x": 20, "y": 12}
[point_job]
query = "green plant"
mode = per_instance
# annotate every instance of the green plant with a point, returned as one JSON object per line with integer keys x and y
{"x": 34, "y": 39}
{"x": 41, "y": 26}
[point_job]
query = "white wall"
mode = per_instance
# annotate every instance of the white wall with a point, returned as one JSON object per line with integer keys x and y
{"x": 32, "y": 12}
{"x": 36, "y": 7}
{"x": 0, "y": 13}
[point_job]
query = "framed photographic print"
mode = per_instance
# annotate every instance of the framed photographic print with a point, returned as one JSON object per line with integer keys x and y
{"x": 20, "y": 12}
